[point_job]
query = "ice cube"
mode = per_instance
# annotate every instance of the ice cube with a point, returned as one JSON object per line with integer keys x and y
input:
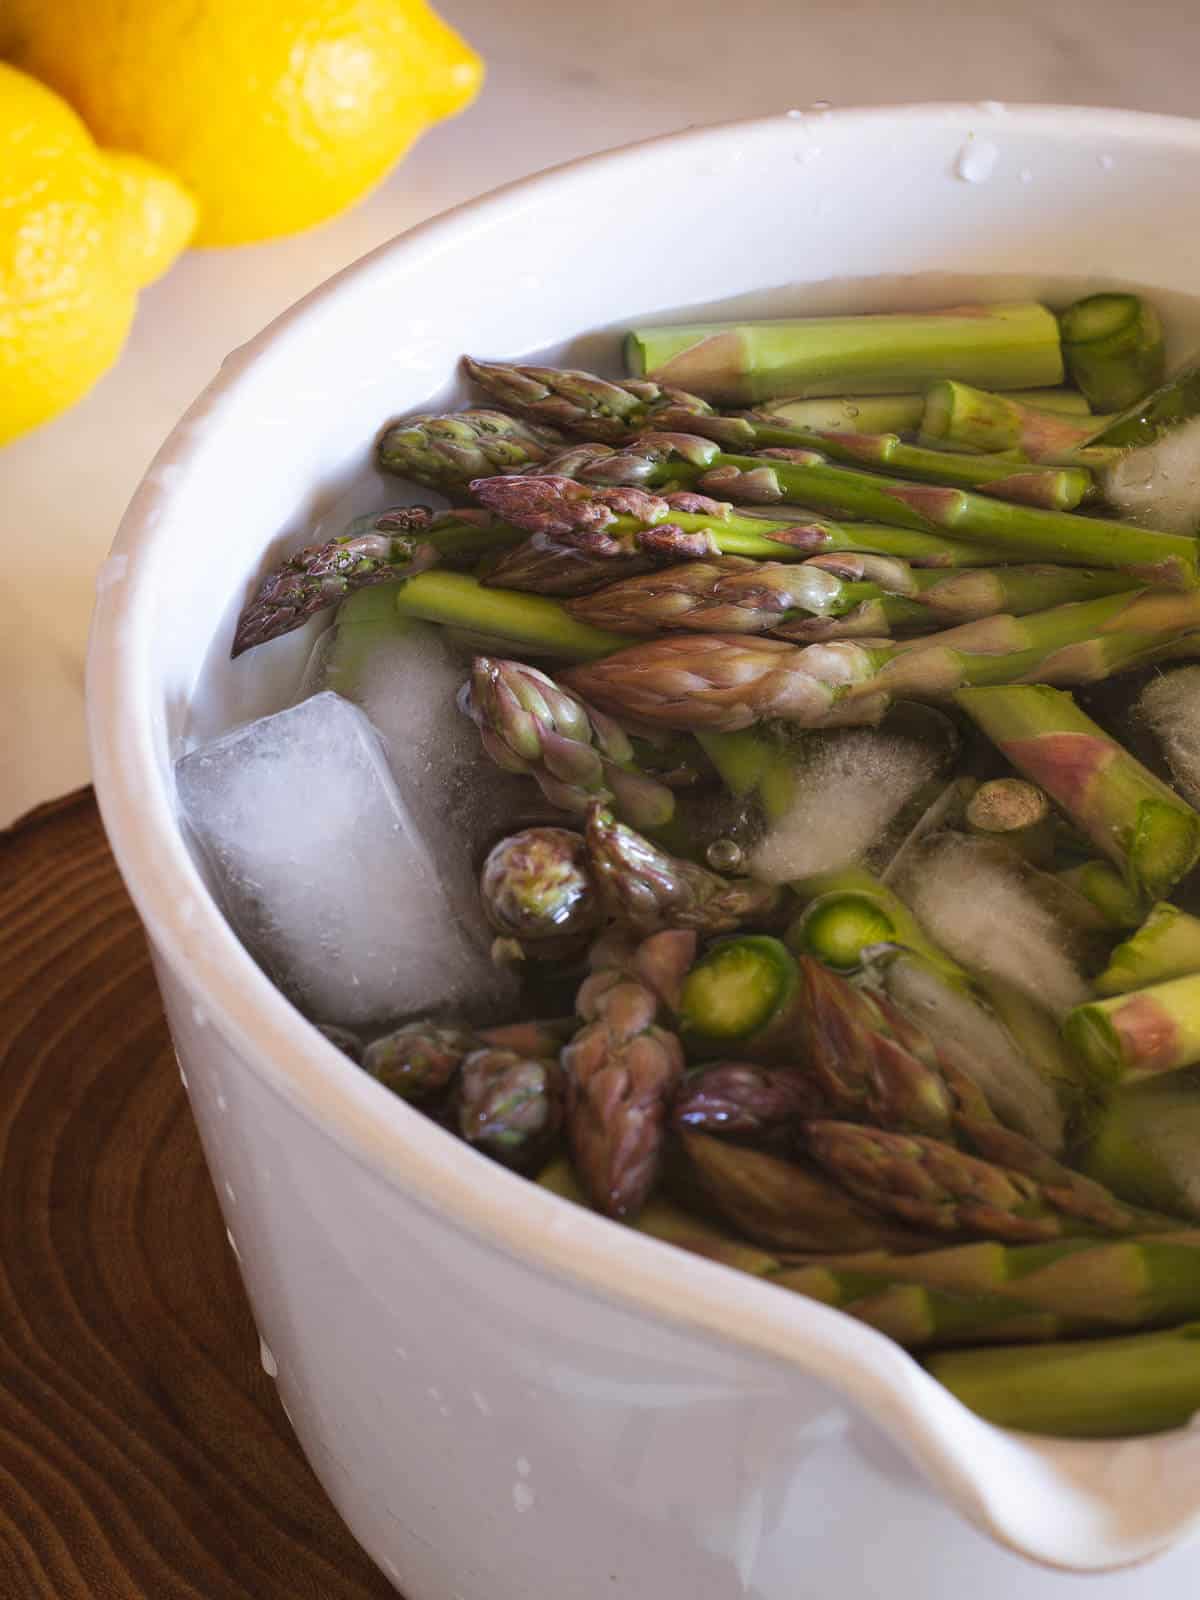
{"x": 326, "y": 873}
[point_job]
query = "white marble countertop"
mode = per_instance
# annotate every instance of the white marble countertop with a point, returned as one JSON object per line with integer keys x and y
{"x": 562, "y": 82}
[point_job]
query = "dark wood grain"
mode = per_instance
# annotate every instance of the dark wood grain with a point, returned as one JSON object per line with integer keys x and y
{"x": 143, "y": 1452}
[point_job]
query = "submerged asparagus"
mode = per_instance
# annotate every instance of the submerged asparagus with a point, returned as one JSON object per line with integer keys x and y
{"x": 957, "y": 416}
{"x": 510, "y": 1105}
{"x": 1167, "y": 945}
{"x": 903, "y": 413}
{"x": 1142, "y": 1143}
{"x": 1101, "y": 1388}
{"x": 1113, "y": 347}
{"x": 741, "y": 1099}
{"x": 999, "y": 346}
{"x": 1141, "y": 825}
{"x": 1016, "y": 814}
{"x": 1139, "y": 1035}
{"x": 536, "y": 888}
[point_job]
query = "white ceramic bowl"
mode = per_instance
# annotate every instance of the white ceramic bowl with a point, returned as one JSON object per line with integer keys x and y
{"x": 507, "y": 1396}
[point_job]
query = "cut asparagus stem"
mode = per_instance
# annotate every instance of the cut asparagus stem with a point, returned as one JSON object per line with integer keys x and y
{"x": 1016, "y": 814}
{"x": 848, "y": 911}
{"x": 1110, "y": 1285}
{"x": 529, "y": 622}
{"x": 1113, "y": 348}
{"x": 1138, "y": 1035}
{"x": 661, "y": 1219}
{"x": 1139, "y": 823}
{"x": 731, "y": 595}
{"x": 903, "y": 413}
{"x": 784, "y": 1206}
{"x": 1024, "y": 532}
{"x": 582, "y": 403}
{"x": 1143, "y": 1140}
{"x": 445, "y": 452}
{"x": 529, "y": 723}
{"x": 723, "y": 682}
{"x": 1167, "y": 945}
{"x": 958, "y": 417}
{"x": 1118, "y": 904}
{"x": 744, "y": 992}
{"x": 1000, "y": 347}
{"x": 1094, "y": 1389}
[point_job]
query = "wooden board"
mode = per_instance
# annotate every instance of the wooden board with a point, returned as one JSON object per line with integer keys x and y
{"x": 143, "y": 1451}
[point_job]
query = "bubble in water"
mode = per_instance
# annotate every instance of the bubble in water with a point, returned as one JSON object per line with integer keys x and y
{"x": 976, "y": 161}
{"x": 724, "y": 855}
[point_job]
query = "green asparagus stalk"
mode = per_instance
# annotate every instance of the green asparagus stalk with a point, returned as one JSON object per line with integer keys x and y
{"x": 525, "y": 621}
{"x": 1107, "y": 891}
{"x": 580, "y": 402}
{"x": 782, "y": 1205}
{"x": 1167, "y": 945}
{"x": 848, "y": 911}
{"x": 662, "y": 1219}
{"x": 1094, "y": 1389}
{"x": 958, "y": 417}
{"x": 940, "y": 1189}
{"x": 999, "y": 346}
{"x": 529, "y": 723}
{"x": 646, "y": 889}
{"x": 731, "y": 595}
{"x": 1096, "y": 1285}
{"x": 1138, "y": 1035}
{"x": 536, "y": 887}
{"x": 605, "y": 525}
{"x": 1113, "y": 347}
{"x": 1143, "y": 1140}
{"x": 1139, "y": 823}
{"x": 725, "y": 683}
{"x": 510, "y": 1106}
{"x": 746, "y": 992}
{"x": 1151, "y": 415}
{"x": 920, "y": 1318}
{"x": 1024, "y": 532}
{"x": 445, "y": 452}
{"x": 623, "y": 1068}
{"x": 903, "y": 413}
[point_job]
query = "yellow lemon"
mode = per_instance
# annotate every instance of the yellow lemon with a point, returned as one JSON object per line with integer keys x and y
{"x": 274, "y": 113}
{"x": 80, "y": 231}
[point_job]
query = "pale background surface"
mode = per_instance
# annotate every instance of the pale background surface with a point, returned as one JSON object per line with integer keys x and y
{"x": 561, "y": 84}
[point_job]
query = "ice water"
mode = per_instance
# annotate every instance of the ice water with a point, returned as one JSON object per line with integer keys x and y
{"x": 327, "y": 873}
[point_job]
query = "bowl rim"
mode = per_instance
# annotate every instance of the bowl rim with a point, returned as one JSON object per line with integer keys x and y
{"x": 373, "y": 1127}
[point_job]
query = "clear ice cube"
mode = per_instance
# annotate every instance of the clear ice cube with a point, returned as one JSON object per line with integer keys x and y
{"x": 326, "y": 871}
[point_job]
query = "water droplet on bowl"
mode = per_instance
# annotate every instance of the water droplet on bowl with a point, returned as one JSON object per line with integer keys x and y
{"x": 820, "y": 106}
{"x": 976, "y": 161}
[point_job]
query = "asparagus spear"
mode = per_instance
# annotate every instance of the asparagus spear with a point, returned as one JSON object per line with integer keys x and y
{"x": 726, "y": 683}
{"x": 1139, "y": 1035}
{"x": 1027, "y": 532}
{"x": 1167, "y": 945}
{"x": 419, "y": 1061}
{"x": 445, "y": 452}
{"x": 509, "y": 1105}
{"x": 622, "y": 1068}
{"x": 940, "y": 1189}
{"x": 1151, "y": 415}
{"x": 999, "y": 346}
{"x": 731, "y": 595}
{"x": 959, "y": 417}
{"x": 742, "y": 1099}
{"x": 782, "y": 1205}
{"x": 1094, "y": 1389}
{"x": 530, "y": 622}
{"x": 1117, "y": 903}
{"x": 1140, "y": 824}
{"x": 646, "y": 889}
{"x": 536, "y": 887}
{"x": 528, "y": 723}
{"x": 903, "y": 413}
{"x": 565, "y": 516}
{"x": 1016, "y": 814}
{"x": 921, "y": 1318}
{"x": 662, "y": 1219}
{"x": 1143, "y": 1142}
{"x": 1113, "y": 347}
{"x": 580, "y": 402}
